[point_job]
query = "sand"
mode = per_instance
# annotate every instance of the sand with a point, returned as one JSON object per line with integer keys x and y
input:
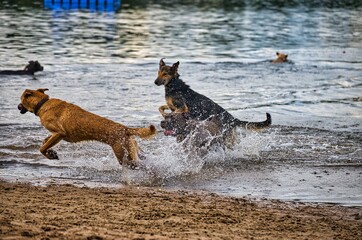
{"x": 69, "y": 212}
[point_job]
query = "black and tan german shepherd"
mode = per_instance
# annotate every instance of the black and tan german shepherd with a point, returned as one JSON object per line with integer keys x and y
{"x": 181, "y": 98}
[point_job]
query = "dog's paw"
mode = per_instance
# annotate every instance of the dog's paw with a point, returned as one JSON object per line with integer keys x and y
{"x": 51, "y": 154}
{"x": 133, "y": 165}
{"x": 142, "y": 157}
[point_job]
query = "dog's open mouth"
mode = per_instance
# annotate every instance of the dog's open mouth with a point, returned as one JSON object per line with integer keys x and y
{"x": 169, "y": 133}
{"x": 22, "y": 108}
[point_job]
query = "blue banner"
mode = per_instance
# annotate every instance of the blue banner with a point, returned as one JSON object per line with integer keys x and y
{"x": 97, "y": 5}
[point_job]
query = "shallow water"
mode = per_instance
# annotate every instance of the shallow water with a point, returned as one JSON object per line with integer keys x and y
{"x": 106, "y": 61}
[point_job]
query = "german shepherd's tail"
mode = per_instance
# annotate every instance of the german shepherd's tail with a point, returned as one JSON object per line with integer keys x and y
{"x": 146, "y": 132}
{"x": 254, "y": 126}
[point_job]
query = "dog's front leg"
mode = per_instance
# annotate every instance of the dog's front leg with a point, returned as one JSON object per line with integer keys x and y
{"x": 177, "y": 104}
{"x": 50, "y": 142}
{"x": 46, "y": 139}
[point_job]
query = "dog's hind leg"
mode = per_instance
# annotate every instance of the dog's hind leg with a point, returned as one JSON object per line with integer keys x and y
{"x": 230, "y": 138}
{"x": 50, "y": 142}
{"x": 132, "y": 149}
{"x": 125, "y": 153}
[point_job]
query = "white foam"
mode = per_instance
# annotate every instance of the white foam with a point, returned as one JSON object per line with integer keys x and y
{"x": 168, "y": 159}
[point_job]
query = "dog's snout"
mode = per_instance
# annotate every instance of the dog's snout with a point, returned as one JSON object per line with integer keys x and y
{"x": 158, "y": 82}
{"x": 163, "y": 124}
{"x": 22, "y": 108}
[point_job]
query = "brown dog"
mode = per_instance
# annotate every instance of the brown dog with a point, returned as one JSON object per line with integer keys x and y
{"x": 71, "y": 123}
{"x": 281, "y": 57}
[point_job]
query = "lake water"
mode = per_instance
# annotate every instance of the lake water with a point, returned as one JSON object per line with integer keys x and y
{"x": 105, "y": 59}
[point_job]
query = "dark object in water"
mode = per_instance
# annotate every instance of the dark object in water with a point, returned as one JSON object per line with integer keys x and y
{"x": 30, "y": 69}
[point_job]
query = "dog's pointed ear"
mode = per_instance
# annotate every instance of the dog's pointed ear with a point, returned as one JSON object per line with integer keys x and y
{"x": 175, "y": 66}
{"x": 42, "y": 90}
{"x": 277, "y": 53}
{"x": 162, "y": 63}
{"x": 30, "y": 63}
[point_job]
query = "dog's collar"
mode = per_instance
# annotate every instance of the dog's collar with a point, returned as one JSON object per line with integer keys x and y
{"x": 39, "y": 105}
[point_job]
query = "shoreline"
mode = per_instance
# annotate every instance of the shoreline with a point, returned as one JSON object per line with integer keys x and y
{"x": 70, "y": 212}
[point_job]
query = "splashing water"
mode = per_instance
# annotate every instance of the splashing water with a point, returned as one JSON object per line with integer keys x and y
{"x": 168, "y": 159}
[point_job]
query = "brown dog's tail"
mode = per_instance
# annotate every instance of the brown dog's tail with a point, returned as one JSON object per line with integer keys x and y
{"x": 255, "y": 126}
{"x": 142, "y": 132}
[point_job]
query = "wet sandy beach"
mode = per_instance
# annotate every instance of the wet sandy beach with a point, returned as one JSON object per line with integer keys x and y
{"x": 68, "y": 212}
